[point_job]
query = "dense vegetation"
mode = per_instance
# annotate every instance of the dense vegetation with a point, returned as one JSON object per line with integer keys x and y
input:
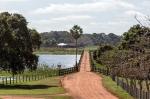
{"x": 52, "y": 38}
{"x": 17, "y": 43}
{"x": 130, "y": 59}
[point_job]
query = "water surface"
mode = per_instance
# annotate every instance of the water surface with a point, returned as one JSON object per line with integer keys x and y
{"x": 54, "y": 60}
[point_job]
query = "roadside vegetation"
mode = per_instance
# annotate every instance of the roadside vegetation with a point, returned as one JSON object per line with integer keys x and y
{"x": 129, "y": 58}
{"x": 45, "y": 88}
{"x": 112, "y": 87}
{"x": 129, "y": 62}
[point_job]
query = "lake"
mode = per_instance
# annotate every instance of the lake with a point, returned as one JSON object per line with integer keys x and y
{"x": 53, "y": 60}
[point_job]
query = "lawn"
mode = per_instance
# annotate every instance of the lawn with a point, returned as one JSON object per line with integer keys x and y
{"x": 114, "y": 89}
{"x": 47, "y": 88}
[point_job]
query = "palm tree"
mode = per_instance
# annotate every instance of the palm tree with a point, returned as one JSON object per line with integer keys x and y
{"x": 76, "y": 32}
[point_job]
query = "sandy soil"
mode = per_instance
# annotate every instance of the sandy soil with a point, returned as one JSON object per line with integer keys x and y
{"x": 85, "y": 84}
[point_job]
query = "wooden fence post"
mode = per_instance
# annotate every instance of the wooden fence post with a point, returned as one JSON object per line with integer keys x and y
{"x": 10, "y": 80}
{"x": 6, "y": 80}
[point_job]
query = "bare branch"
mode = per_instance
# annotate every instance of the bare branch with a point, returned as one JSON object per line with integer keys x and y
{"x": 138, "y": 20}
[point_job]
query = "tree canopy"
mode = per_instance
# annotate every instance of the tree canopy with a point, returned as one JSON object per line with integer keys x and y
{"x": 76, "y": 32}
{"x": 17, "y": 43}
{"x": 136, "y": 38}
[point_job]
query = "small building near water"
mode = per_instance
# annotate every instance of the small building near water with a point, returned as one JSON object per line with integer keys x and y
{"x": 65, "y": 45}
{"x": 62, "y": 45}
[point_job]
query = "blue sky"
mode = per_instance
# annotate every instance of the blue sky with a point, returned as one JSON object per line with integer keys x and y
{"x": 108, "y": 16}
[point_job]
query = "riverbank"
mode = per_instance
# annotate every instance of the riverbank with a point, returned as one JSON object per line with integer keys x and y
{"x": 63, "y": 51}
{"x": 58, "y": 51}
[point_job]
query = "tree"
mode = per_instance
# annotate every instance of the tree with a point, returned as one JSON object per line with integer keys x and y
{"x": 16, "y": 45}
{"x": 76, "y": 32}
{"x": 36, "y": 39}
{"x": 136, "y": 38}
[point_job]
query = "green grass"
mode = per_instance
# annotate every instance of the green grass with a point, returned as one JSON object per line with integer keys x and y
{"x": 98, "y": 65}
{"x": 49, "y": 88}
{"x": 4, "y": 73}
{"x": 91, "y": 48}
{"x": 45, "y": 86}
{"x": 58, "y": 51}
{"x": 114, "y": 89}
{"x": 61, "y": 97}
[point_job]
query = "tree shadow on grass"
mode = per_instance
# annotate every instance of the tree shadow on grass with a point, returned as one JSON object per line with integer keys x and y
{"x": 29, "y": 87}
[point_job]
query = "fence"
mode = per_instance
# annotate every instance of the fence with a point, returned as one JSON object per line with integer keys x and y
{"x": 71, "y": 69}
{"x": 20, "y": 79}
{"x": 132, "y": 90}
{"x": 67, "y": 71}
{"x": 17, "y": 79}
{"x": 101, "y": 70}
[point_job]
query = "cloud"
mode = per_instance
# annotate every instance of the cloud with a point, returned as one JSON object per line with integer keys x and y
{"x": 73, "y": 17}
{"x": 10, "y": 11}
{"x": 133, "y": 13}
{"x": 12, "y": 0}
{"x": 60, "y": 23}
{"x": 98, "y": 6}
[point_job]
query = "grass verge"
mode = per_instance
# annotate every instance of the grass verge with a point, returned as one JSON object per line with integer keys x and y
{"x": 49, "y": 88}
{"x": 44, "y": 86}
{"x": 58, "y": 51}
{"x": 112, "y": 87}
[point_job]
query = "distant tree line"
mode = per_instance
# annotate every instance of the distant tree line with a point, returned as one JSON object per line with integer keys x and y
{"x": 17, "y": 43}
{"x": 51, "y": 39}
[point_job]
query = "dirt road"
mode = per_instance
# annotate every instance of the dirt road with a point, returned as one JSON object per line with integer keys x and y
{"x": 85, "y": 84}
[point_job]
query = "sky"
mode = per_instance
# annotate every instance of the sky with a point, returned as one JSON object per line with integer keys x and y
{"x": 94, "y": 16}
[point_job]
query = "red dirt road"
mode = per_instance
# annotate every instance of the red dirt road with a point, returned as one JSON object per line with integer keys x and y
{"x": 85, "y": 84}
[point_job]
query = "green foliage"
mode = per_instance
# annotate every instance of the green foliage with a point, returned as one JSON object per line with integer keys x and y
{"x": 51, "y": 39}
{"x": 116, "y": 90}
{"x": 76, "y": 32}
{"x": 36, "y": 38}
{"x": 102, "y": 49}
{"x": 136, "y": 38}
{"x": 131, "y": 60}
{"x": 16, "y": 44}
